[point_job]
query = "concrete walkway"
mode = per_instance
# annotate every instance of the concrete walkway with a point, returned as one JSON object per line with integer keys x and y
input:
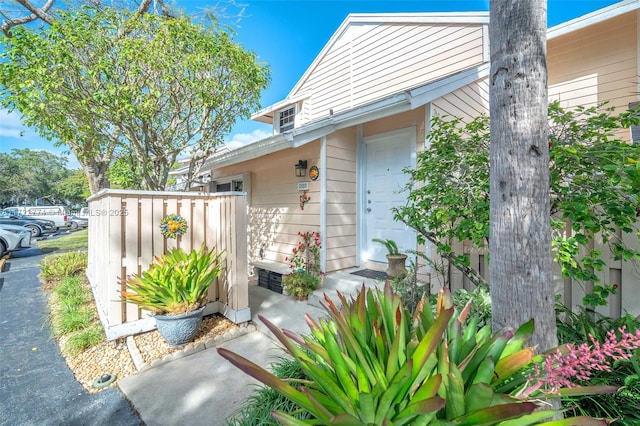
{"x": 204, "y": 388}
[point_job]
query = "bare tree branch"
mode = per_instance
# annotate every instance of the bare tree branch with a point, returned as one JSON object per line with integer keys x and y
{"x": 41, "y": 13}
{"x": 37, "y": 13}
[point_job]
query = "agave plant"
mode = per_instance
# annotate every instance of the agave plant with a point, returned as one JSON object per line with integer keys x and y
{"x": 175, "y": 283}
{"x": 370, "y": 363}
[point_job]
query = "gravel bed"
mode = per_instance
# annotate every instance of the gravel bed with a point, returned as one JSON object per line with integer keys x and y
{"x": 115, "y": 357}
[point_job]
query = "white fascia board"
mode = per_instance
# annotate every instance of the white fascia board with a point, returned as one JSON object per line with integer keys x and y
{"x": 253, "y": 150}
{"x": 421, "y": 18}
{"x": 391, "y": 105}
{"x": 388, "y": 106}
{"x": 592, "y": 18}
{"x": 429, "y": 92}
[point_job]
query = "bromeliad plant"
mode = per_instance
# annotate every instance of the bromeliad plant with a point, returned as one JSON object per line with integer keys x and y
{"x": 370, "y": 363}
{"x": 175, "y": 283}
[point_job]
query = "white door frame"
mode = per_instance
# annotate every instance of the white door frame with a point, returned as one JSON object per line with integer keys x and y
{"x": 407, "y": 132}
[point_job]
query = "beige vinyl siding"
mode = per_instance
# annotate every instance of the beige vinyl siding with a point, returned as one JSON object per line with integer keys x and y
{"x": 402, "y": 57}
{"x": 275, "y": 216}
{"x": 330, "y": 83}
{"x": 596, "y": 64}
{"x": 372, "y": 61}
{"x": 414, "y": 118}
{"x": 467, "y": 103}
{"x": 341, "y": 149}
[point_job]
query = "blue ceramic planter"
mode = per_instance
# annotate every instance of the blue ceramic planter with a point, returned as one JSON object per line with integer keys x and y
{"x": 180, "y": 329}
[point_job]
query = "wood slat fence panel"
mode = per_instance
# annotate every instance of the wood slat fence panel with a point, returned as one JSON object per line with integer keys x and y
{"x": 625, "y": 274}
{"x": 124, "y": 238}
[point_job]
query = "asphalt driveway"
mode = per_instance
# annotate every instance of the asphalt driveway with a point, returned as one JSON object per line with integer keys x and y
{"x": 36, "y": 386}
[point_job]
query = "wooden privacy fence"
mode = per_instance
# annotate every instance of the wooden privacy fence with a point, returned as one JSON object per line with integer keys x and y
{"x": 124, "y": 238}
{"x": 624, "y": 274}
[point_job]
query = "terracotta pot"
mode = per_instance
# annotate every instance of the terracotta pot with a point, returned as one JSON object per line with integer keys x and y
{"x": 180, "y": 329}
{"x": 396, "y": 267}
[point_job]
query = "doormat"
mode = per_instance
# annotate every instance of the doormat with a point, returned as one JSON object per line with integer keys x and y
{"x": 370, "y": 273}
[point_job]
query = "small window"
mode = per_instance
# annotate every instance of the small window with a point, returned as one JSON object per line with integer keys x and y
{"x": 229, "y": 184}
{"x": 223, "y": 187}
{"x": 635, "y": 130}
{"x": 287, "y": 119}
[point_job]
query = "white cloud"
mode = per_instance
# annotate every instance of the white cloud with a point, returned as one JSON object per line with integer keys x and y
{"x": 11, "y": 127}
{"x": 242, "y": 139}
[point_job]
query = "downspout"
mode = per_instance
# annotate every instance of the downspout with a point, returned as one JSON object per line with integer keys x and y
{"x": 323, "y": 202}
{"x": 359, "y": 194}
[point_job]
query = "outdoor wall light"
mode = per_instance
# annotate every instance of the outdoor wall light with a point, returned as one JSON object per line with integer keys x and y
{"x": 301, "y": 168}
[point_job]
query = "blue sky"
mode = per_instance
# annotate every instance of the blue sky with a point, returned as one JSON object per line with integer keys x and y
{"x": 288, "y": 35}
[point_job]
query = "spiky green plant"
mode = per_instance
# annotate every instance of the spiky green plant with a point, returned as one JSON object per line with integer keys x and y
{"x": 175, "y": 283}
{"x": 391, "y": 246}
{"x": 56, "y": 267}
{"x": 370, "y": 363}
{"x": 257, "y": 407}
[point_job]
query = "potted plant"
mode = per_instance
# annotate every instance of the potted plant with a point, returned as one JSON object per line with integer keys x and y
{"x": 306, "y": 273}
{"x": 175, "y": 289}
{"x": 300, "y": 284}
{"x": 396, "y": 261}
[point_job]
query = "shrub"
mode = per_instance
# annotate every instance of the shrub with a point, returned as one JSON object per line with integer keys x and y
{"x": 56, "y": 267}
{"x": 73, "y": 315}
{"x": 300, "y": 283}
{"x": 70, "y": 308}
{"x": 257, "y": 408}
{"x": 85, "y": 338}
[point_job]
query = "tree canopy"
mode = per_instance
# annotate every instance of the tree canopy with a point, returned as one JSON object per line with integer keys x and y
{"x": 102, "y": 80}
{"x": 26, "y": 175}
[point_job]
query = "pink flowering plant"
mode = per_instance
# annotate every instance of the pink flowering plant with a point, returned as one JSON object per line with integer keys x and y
{"x": 556, "y": 371}
{"x": 305, "y": 268}
{"x": 306, "y": 255}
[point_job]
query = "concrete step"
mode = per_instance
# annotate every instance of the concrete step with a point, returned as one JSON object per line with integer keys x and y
{"x": 346, "y": 283}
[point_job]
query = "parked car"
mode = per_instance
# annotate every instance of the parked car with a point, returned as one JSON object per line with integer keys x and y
{"x": 78, "y": 222}
{"x": 58, "y": 214}
{"x": 13, "y": 238}
{"x": 37, "y": 227}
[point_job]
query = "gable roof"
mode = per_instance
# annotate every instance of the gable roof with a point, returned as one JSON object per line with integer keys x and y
{"x": 391, "y": 105}
{"x": 366, "y": 52}
{"x": 399, "y": 102}
{"x": 354, "y": 19}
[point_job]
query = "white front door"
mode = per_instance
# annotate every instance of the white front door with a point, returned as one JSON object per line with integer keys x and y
{"x": 385, "y": 157}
